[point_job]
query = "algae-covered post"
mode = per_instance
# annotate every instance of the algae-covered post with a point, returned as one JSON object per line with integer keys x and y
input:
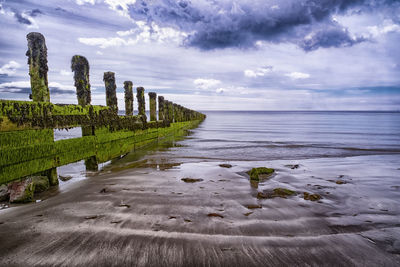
{"x": 166, "y": 110}
{"x": 170, "y": 111}
{"x": 153, "y": 106}
{"x": 141, "y": 101}
{"x": 80, "y": 67}
{"x": 160, "y": 108}
{"x": 111, "y": 93}
{"x": 37, "y": 61}
{"x": 128, "y": 98}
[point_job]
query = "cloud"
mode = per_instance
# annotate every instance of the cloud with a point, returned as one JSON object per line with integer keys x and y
{"x": 388, "y": 27}
{"x": 206, "y": 84}
{"x": 229, "y": 23}
{"x": 141, "y": 33}
{"x": 329, "y": 36}
{"x": 10, "y": 68}
{"x": 82, "y": 2}
{"x": 259, "y": 72}
{"x": 298, "y": 75}
{"x": 24, "y": 87}
{"x": 66, "y": 73}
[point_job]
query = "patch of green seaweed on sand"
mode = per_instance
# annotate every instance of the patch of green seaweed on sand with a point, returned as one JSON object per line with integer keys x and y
{"x": 260, "y": 173}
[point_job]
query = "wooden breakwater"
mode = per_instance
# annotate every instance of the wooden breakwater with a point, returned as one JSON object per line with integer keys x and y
{"x": 27, "y": 146}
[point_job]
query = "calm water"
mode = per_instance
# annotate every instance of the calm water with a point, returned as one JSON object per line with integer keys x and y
{"x": 292, "y": 135}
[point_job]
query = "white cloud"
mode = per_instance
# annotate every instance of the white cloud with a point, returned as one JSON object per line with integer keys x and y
{"x": 141, "y": 33}
{"x": 206, "y": 84}
{"x": 65, "y": 73}
{"x": 82, "y": 2}
{"x": 61, "y": 86}
{"x": 221, "y": 90}
{"x": 298, "y": 75}
{"x": 259, "y": 72}
{"x": 10, "y": 68}
{"x": 387, "y": 27}
{"x": 15, "y": 87}
{"x": 120, "y": 6}
{"x": 103, "y": 42}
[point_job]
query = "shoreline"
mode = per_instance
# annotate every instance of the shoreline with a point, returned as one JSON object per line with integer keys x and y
{"x": 148, "y": 216}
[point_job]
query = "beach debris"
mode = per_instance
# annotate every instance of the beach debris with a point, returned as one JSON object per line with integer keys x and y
{"x": 191, "y": 180}
{"x": 248, "y": 213}
{"x": 340, "y": 182}
{"x": 65, "y": 178}
{"x": 187, "y": 220}
{"x": 260, "y": 173}
{"x": 311, "y": 197}
{"x": 124, "y": 205}
{"x": 253, "y": 206}
{"x": 215, "y": 215}
{"x": 92, "y": 217}
{"x": 293, "y": 166}
{"x": 224, "y": 165}
{"x": 171, "y": 217}
{"x": 116, "y": 222}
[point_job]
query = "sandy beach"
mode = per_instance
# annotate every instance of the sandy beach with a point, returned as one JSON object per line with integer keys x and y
{"x": 148, "y": 216}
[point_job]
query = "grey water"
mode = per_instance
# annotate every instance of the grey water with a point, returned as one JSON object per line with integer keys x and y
{"x": 268, "y": 135}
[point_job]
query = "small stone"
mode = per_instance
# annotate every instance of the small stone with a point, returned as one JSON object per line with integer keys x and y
{"x": 340, "y": 182}
{"x": 191, "y": 180}
{"x": 65, "y": 178}
{"x": 252, "y": 207}
{"x": 225, "y": 165}
{"x": 311, "y": 197}
{"x": 215, "y": 215}
{"x": 248, "y": 213}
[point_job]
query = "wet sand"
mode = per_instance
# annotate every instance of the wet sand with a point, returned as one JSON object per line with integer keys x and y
{"x": 147, "y": 216}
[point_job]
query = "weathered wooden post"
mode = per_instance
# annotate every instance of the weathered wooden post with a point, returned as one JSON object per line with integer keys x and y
{"x": 128, "y": 98}
{"x": 161, "y": 108}
{"x": 111, "y": 90}
{"x": 37, "y": 61}
{"x": 80, "y": 67}
{"x": 170, "y": 111}
{"x": 153, "y": 106}
{"x": 141, "y": 101}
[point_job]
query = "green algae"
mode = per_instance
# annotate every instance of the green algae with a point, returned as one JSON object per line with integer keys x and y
{"x": 260, "y": 173}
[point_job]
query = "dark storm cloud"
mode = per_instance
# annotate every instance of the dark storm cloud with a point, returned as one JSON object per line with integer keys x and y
{"x": 222, "y": 24}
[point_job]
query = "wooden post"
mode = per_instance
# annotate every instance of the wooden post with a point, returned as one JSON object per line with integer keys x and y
{"x": 161, "y": 108}
{"x": 80, "y": 67}
{"x": 153, "y": 106}
{"x": 37, "y": 61}
{"x": 128, "y": 98}
{"x": 111, "y": 90}
{"x": 141, "y": 101}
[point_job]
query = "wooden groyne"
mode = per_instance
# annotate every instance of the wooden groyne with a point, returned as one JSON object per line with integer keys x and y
{"x": 29, "y": 155}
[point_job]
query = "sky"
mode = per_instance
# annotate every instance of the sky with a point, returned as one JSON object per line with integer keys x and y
{"x": 214, "y": 55}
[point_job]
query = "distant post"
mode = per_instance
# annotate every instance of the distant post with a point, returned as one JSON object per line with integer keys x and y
{"x": 80, "y": 67}
{"x": 128, "y": 98}
{"x": 111, "y": 90}
{"x": 153, "y": 106}
{"x": 161, "y": 108}
{"x": 37, "y": 61}
{"x": 141, "y": 101}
